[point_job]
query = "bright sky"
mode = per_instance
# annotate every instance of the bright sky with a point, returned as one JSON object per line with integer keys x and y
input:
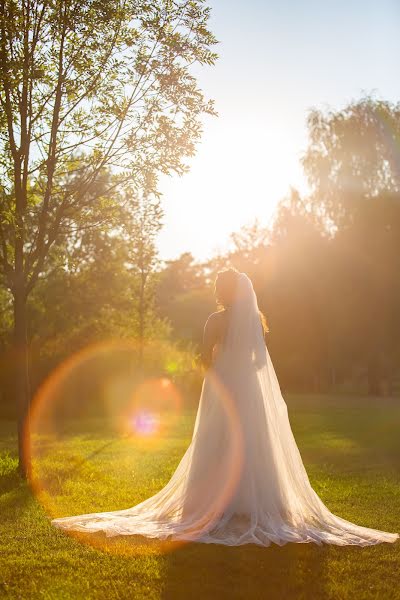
{"x": 277, "y": 60}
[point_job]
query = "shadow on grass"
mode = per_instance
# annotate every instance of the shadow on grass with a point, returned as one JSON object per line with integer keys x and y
{"x": 15, "y": 496}
{"x": 357, "y": 436}
{"x": 212, "y": 571}
{"x": 10, "y": 481}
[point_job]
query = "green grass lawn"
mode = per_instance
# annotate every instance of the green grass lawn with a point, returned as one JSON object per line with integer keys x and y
{"x": 351, "y": 449}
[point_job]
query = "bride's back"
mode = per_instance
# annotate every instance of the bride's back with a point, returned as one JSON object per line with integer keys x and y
{"x": 214, "y": 335}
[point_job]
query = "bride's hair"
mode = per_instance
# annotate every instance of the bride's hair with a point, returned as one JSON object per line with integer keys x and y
{"x": 225, "y": 288}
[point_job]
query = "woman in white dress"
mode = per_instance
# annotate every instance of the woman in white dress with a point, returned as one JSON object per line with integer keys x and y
{"x": 242, "y": 479}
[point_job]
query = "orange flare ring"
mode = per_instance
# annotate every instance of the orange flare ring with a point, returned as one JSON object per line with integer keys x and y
{"x": 42, "y": 401}
{"x": 210, "y": 518}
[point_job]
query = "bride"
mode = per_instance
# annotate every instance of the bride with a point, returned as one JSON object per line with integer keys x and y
{"x": 242, "y": 479}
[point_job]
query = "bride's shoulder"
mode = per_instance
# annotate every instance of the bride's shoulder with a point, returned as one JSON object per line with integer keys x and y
{"x": 216, "y": 319}
{"x": 214, "y": 328}
{"x": 218, "y": 315}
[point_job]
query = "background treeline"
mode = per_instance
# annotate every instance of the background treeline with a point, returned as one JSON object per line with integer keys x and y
{"x": 326, "y": 273}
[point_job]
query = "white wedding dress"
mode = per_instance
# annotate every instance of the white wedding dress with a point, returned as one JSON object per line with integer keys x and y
{"x": 242, "y": 479}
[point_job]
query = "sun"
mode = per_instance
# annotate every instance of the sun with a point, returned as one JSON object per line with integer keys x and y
{"x": 236, "y": 177}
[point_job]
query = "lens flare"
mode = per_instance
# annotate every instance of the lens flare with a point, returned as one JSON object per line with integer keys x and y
{"x": 223, "y": 485}
{"x": 145, "y": 423}
{"x": 101, "y": 423}
{"x": 153, "y": 408}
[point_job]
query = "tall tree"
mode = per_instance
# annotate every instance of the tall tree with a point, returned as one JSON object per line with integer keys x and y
{"x": 352, "y": 163}
{"x": 353, "y": 155}
{"x": 141, "y": 229}
{"x": 184, "y": 297}
{"x": 86, "y": 86}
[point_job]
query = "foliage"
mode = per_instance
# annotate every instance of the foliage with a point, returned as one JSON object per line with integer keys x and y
{"x": 93, "y": 95}
{"x": 140, "y": 230}
{"x": 184, "y": 297}
{"x": 326, "y": 270}
{"x": 352, "y": 156}
{"x": 84, "y": 87}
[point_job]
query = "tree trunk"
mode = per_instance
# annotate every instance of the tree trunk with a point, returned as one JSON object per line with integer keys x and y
{"x": 373, "y": 376}
{"x": 141, "y": 315}
{"x": 22, "y": 388}
{"x": 333, "y": 377}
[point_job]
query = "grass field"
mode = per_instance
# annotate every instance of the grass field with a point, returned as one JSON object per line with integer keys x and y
{"x": 351, "y": 449}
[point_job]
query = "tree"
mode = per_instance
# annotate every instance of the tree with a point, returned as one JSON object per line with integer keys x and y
{"x": 352, "y": 156}
{"x": 141, "y": 228}
{"x": 85, "y": 87}
{"x": 352, "y": 165}
{"x": 298, "y": 293}
{"x": 250, "y": 251}
{"x": 184, "y": 297}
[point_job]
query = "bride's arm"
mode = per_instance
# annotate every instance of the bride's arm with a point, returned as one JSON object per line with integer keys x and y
{"x": 210, "y": 336}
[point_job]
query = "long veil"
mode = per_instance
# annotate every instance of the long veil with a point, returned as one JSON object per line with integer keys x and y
{"x": 242, "y": 479}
